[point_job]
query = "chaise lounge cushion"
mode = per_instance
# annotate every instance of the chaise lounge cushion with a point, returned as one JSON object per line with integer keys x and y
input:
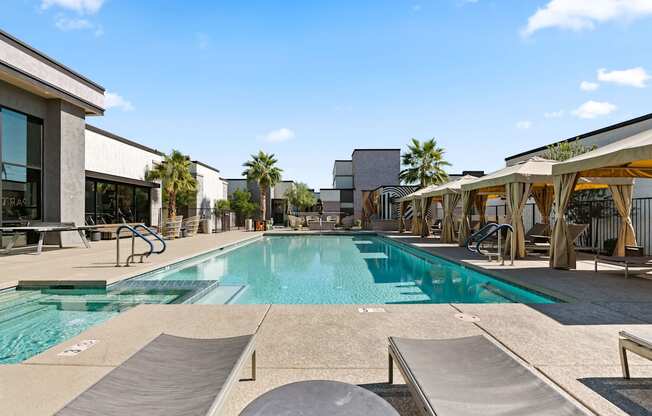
{"x": 473, "y": 377}
{"x": 169, "y": 376}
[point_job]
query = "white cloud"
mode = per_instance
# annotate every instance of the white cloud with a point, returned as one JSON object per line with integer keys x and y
{"x": 633, "y": 77}
{"x": 554, "y": 114}
{"x": 584, "y": 14}
{"x": 593, "y": 109}
{"x": 525, "y": 124}
{"x": 589, "y": 86}
{"x": 79, "y": 6}
{"x": 67, "y": 24}
{"x": 114, "y": 100}
{"x": 280, "y": 135}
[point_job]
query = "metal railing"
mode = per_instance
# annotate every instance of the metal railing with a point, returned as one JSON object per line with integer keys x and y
{"x": 135, "y": 233}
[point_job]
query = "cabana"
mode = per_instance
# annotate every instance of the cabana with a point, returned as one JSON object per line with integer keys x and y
{"x": 420, "y": 206}
{"x": 625, "y": 159}
{"x": 449, "y": 194}
{"x": 517, "y": 183}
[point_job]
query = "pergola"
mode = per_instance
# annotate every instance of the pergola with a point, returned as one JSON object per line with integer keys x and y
{"x": 625, "y": 159}
{"x": 420, "y": 207}
{"x": 529, "y": 178}
{"x": 449, "y": 194}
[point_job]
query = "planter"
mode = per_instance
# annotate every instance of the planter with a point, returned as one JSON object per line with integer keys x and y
{"x": 205, "y": 226}
{"x": 96, "y": 236}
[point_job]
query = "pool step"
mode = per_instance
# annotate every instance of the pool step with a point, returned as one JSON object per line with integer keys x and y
{"x": 23, "y": 312}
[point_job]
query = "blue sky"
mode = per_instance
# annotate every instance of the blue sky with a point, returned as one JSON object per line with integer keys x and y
{"x": 311, "y": 81}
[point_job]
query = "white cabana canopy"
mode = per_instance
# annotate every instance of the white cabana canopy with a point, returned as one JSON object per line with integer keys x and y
{"x": 416, "y": 194}
{"x": 452, "y": 187}
{"x": 534, "y": 170}
{"x": 613, "y": 164}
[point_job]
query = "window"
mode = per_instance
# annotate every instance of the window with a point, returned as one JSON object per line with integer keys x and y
{"x": 21, "y": 138}
{"x": 111, "y": 203}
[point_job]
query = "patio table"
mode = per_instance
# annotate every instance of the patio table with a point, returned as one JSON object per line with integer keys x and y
{"x": 319, "y": 398}
{"x": 42, "y": 230}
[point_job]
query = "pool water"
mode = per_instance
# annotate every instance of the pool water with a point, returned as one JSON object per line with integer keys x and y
{"x": 343, "y": 270}
{"x": 273, "y": 269}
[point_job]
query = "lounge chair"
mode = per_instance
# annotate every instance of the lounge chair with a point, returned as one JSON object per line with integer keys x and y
{"x": 645, "y": 262}
{"x": 574, "y": 231}
{"x": 636, "y": 343}
{"x": 538, "y": 232}
{"x": 472, "y": 376}
{"x": 172, "y": 228}
{"x": 169, "y": 376}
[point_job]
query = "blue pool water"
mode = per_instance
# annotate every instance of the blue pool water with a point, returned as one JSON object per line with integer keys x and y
{"x": 343, "y": 270}
{"x": 275, "y": 269}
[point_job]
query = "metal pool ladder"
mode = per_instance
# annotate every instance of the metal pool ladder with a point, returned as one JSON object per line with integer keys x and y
{"x": 135, "y": 233}
{"x": 484, "y": 233}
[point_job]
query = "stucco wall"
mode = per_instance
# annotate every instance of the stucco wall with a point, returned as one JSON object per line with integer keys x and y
{"x": 113, "y": 157}
{"x": 36, "y": 66}
{"x": 371, "y": 169}
{"x": 212, "y": 186}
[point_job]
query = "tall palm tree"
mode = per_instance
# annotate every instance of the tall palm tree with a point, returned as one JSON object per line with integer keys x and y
{"x": 174, "y": 173}
{"x": 263, "y": 170}
{"x": 424, "y": 164}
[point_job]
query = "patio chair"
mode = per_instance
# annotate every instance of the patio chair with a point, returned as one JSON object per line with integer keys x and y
{"x": 574, "y": 231}
{"x": 638, "y": 344}
{"x": 191, "y": 225}
{"x": 172, "y": 228}
{"x": 634, "y": 257}
{"x": 538, "y": 232}
{"x": 472, "y": 376}
{"x": 169, "y": 376}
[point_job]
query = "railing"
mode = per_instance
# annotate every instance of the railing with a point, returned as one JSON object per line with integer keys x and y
{"x": 135, "y": 233}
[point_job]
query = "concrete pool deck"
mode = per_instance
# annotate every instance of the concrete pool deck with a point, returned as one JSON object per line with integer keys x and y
{"x": 573, "y": 345}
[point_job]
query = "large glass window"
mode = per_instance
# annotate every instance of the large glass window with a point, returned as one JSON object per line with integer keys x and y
{"x": 21, "y": 138}
{"x": 111, "y": 203}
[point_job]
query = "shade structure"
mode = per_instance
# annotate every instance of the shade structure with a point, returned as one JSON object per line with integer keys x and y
{"x": 450, "y": 194}
{"x": 614, "y": 164}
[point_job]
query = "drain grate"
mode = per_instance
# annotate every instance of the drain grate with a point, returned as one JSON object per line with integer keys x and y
{"x": 371, "y": 310}
{"x": 466, "y": 317}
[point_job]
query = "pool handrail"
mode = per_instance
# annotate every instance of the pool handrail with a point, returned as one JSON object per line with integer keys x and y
{"x": 134, "y": 233}
{"x": 496, "y": 230}
{"x": 479, "y": 234}
{"x": 157, "y": 236}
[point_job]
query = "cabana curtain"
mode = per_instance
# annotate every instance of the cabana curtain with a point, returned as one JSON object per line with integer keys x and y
{"x": 562, "y": 253}
{"x": 401, "y": 216}
{"x": 517, "y": 196}
{"x": 448, "y": 225}
{"x": 480, "y": 203}
{"x": 425, "y": 227}
{"x": 467, "y": 209}
{"x": 544, "y": 198}
{"x": 622, "y": 197}
{"x": 416, "y": 217}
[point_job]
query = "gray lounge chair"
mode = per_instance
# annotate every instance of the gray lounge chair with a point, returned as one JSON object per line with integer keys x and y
{"x": 638, "y": 344}
{"x": 169, "y": 376}
{"x": 472, "y": 377}
{"x": 537, "y": 242}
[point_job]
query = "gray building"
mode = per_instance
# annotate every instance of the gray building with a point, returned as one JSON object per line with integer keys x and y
{"x": 277, "y": 203}
{"x": 366, "y": 171}
{"x": 43, "y": 110}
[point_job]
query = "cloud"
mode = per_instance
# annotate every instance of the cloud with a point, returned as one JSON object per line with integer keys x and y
{"x": 585, "y": 14}
{"x": 589, "y": 86}
{"x": 633, "y": 77}
{"x": 114, "y": 100}
{"x": 79, "y": 6}
{"x": 203, "y": 41}
{"x": 525, "y": 124}
{"x": 593, "y": 109}
{"x": 280, "y": 135}
{"x": 554, "y": 114}
{"x": 66, "y": 24}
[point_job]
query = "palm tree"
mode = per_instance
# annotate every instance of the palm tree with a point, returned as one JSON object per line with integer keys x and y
{"x": 263, "y": 170}
{"x": 424, "y": 164}
{"x": 174, "y": 173}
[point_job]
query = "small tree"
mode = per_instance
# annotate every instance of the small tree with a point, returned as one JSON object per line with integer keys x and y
{"x": 263, "y": 170}
{"x": 242, "y": 204}
{"x": 177, "y": 181}
{"x": 424, "y": 164}
{"x": 300, "y": 197}
{"x": 222, "y": 206}
{"x": 566, "y": 150}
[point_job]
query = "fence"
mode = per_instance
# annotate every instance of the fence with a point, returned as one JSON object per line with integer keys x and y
{"x": 601, "y": 216}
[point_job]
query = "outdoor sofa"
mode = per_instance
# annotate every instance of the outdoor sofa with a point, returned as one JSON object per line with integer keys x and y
{"x": 638, "y": 344}
{"x": 472, "y": 376}
{"x": 169, "y": 376}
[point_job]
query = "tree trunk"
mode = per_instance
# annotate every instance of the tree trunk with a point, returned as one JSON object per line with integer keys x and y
{"x": 263, "y": 203}
{"x": 172, "y": 205}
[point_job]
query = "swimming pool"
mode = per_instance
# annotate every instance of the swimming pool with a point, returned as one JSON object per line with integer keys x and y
{"x": 347, "y": 269}
{"x": 363, "y": 269}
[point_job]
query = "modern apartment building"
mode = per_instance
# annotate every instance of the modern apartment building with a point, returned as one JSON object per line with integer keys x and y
{"x": 366, "y": 171}
{"x": 277, "y": 203}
